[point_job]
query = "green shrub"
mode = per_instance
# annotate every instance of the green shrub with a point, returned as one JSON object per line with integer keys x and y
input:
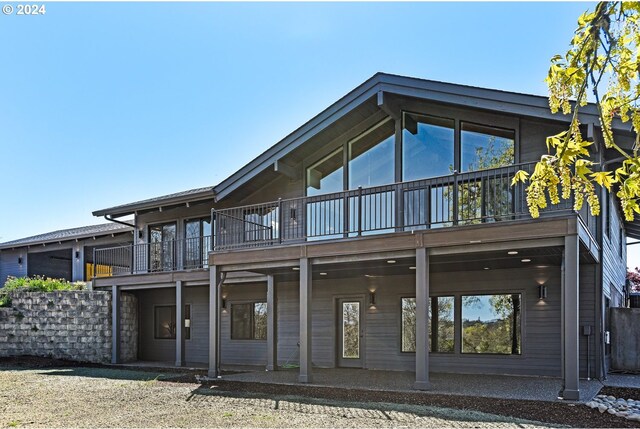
{"x": 35, "y": 284}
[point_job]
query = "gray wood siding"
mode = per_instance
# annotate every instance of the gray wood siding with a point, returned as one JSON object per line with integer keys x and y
{"x": 614, "y": 262}
{"x": 151, "y": 349}
{"x": 242, "y": 352}
{"x": 587, "y": 318}
{"x": 533, "y": 137}
{"x": 540, "y": 321}
{"x": 9, "y": 264}
{"x": 197, "y": 348}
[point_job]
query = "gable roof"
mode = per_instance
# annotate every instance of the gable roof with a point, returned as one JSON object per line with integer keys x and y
{"x": 461, "y": 95}
{"x": 165, "y": 200}
{"x": 68, "y": 234}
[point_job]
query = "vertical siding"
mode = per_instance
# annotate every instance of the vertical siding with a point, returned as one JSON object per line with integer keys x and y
{"x": 9, "y": 264}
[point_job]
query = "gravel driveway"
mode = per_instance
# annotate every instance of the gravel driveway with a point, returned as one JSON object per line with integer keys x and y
{"x": 105, "y": 397}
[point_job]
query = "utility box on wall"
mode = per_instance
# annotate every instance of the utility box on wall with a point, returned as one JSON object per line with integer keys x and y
{"x": 625, "y": 338}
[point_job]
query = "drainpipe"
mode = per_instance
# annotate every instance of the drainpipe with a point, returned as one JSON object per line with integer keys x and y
{"x": 600, "y": 355}
{"x": 119, "y": 221}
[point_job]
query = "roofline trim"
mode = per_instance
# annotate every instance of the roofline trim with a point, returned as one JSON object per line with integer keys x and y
{"x": 65, "y": 239}
{"x": 127, "y": 209}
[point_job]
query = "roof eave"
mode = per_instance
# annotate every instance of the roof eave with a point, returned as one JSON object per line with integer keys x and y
{"x": 66, "y": 239}
{"x": 127, "y": 209}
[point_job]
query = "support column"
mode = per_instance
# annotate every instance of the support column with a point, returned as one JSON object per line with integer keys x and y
{"x": 272, "y": 330}
{"x": 214, "y": 303}
{"x": 77, "y": 264}
{"x": 180, "y": 357}
{"x": 422, "y": 319}
{"x": 115, "y": 324}
{"x": 570, "y": 305}
{"x": 305, "y": 321}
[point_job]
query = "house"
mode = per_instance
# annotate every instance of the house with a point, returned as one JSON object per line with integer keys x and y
{"x": 384, "y": 234}
{"x": 65, "y": 254}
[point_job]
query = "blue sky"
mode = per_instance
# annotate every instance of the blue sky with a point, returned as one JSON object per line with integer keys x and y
{"x": 109, "y": 103}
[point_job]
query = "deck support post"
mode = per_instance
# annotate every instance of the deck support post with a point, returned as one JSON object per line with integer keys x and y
{"x": 180, "y": 358}
{"x": 570, "y": 318}
{"x": 115, "y": 324}
{"x": 422, "y": 312}
{"x": 305, "y": 321}
{"x": 272, "y": 330}
{"x": 214, "y": 312}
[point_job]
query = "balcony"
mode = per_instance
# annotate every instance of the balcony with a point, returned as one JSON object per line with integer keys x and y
{"x": 174, "y": 255}
{"x": 458, "y": 199}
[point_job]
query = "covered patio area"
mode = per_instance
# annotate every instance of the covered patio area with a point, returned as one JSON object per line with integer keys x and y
{"x": 490, "y": 386}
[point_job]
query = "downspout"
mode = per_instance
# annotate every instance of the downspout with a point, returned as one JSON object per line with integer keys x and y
{"x": 218, "y": 315}
{"x": 599, "y": 291}
{"x": 119, "y": 221}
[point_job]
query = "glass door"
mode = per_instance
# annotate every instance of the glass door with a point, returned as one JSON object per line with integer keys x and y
{"x": 197, "y": 242}
{"x": 350, "y": 333}
{"x": 162, "y": 241}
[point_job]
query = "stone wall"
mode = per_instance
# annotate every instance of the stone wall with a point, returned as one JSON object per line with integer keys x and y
{"x": 74, "y": 325}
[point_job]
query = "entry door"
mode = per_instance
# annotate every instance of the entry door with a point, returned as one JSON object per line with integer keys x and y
{"x": 162, "y": 255}
{"x": 350, "y": 332}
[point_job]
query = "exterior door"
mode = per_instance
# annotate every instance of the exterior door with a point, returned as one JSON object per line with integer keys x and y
{"x": 162, "y": 242}
{"x": 350, "y": 332}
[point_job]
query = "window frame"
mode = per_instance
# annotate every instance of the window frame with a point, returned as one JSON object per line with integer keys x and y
{"x": 459, "y": 335}
{"x": 458, "y": 116}
{"x": 251, "y": 318}
{"x": 156, "y": 307}
{"x": 431, "y": 297}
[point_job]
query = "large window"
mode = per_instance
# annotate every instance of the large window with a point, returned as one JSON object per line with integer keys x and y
{"x": 441, "y": 324}
{"x": 491, "y": 324}
{"x": 249, "y": 321}
{"x": 484, "y": 147}
{"x": 326, "y": 175}
{"x": 371, "y": 157}
{"x": 164, "y": 322}
{"x": 427, "y": 147}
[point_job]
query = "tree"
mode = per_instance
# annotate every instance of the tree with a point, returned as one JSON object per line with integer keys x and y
{"x": 634, "y": 279}
{"x": 602, "y": 54}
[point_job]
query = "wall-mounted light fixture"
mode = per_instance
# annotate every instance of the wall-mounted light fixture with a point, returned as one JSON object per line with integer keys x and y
{"x": 19, "y": 260}
{"x": 140, "y": 233}
{"x": 77, "y": 255}
{"x": 542, "y": 292}
{"x": 224, "y": 303}
{"x": 187, "y": 323}
{"x": 372, "y": 299}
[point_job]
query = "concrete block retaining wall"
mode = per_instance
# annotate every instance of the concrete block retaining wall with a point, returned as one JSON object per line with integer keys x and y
{"x": 74, "y": 325}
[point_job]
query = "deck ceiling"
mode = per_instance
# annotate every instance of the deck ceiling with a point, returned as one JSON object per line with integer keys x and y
{"x": 479, "y": 261}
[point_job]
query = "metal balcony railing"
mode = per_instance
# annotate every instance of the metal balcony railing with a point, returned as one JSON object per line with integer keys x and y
{"x": 458, "y": 199}
{"x": 173, "y": 255}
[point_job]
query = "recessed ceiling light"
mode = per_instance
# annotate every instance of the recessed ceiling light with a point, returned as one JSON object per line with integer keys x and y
{"x": 525, "y": 260}
{"x": 323, "y": 274}
{"x": 487, "y": 268}
{"x": 296, "y": 268}
{"x": 412, "y": 268}
{"x": 512, "y": 252}
{"x": 391, "y": 261}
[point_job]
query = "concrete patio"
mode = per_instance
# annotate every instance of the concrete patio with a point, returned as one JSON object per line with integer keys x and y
{"x": 493, "y": 386}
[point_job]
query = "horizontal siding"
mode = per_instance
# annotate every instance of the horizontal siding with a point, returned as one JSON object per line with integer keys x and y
{"x": 541, "y": 322}
{"x": 9, "y": 265}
